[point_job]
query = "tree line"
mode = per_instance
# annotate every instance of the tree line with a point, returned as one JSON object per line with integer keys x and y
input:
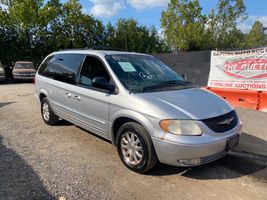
{"x": 31, "y": 29}
{"x": 187, "y": 28}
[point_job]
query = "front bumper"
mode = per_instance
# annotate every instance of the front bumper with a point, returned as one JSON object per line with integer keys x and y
{"x": 193, "y": 154}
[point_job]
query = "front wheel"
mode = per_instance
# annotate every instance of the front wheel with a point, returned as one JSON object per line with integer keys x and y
{"x": 135, "y": 147}
{"x": 48, "y": 115}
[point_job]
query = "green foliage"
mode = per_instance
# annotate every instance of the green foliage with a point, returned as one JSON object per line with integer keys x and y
{"x": 31, "y": 29}
{"x": 76, "y": 30}
{"x": 128, "y": 35}
{"x": 187, "y": 28}
{"x": 183, "y": 25}
{"x": 256, "y": 37}
{"x": 224, "y": 23}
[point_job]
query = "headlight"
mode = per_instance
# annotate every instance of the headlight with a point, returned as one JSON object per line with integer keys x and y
{"x": 181, "y": 127}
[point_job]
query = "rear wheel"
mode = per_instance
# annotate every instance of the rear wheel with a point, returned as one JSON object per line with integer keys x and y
{"x": 48, "y": 115}
{"x": 135, "y": 147}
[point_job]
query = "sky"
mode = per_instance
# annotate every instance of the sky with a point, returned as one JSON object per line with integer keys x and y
{"x": 148, "y": 12}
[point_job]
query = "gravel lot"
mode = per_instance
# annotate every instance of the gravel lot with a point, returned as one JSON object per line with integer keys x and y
{"x": 43, "y": 162}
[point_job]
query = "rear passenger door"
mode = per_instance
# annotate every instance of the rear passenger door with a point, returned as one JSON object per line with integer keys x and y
{"x": 62, "y": 69}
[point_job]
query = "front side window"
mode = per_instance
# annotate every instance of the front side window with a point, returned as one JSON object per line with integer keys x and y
{"x": 62, "y": 67}
{"x": 144, "y": 73}
{"x": 91, "y": 69}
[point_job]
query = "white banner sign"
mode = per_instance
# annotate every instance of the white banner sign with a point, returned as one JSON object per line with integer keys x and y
{"x": 245, "y": 69}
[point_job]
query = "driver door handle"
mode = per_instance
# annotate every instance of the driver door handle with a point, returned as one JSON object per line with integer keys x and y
{"x": 68, "y": 95}
{"x": 77, "y": 98}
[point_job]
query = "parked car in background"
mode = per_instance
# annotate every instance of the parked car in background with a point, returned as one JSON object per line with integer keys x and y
{"x": 146, "y": 109}
{"x": 2, "y": 73}
{"x": 23, "y": 70}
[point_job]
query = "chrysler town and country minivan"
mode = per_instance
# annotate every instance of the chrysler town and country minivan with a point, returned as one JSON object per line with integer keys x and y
{"x": 143, "y": 107}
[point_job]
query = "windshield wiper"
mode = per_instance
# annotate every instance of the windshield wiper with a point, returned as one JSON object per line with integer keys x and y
{"x": 163, "y": 84}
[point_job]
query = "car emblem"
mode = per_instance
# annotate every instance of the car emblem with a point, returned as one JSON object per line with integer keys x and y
{"x": 226, "y": 121}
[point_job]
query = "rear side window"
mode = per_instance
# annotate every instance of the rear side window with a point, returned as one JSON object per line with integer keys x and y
{"x": 62, "y": 67}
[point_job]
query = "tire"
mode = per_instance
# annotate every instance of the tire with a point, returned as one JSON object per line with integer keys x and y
{"x": 47, "y": 113}
{"x": 138, "y": 154}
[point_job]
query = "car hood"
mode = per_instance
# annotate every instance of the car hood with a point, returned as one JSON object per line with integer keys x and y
{"x": 192, "y": 103}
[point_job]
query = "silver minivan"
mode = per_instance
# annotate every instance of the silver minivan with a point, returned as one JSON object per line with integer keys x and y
{"x": 143, "y": 107}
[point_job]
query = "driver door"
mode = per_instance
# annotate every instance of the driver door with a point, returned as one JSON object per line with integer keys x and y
{"x": 92, "y": 103}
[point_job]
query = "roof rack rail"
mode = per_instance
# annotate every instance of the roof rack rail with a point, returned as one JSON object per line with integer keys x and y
{"x": 94, "y": 48}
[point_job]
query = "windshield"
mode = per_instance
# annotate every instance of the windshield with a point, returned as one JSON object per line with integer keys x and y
{"x": 23, "y": 66}
{"x": 144, "y": 73}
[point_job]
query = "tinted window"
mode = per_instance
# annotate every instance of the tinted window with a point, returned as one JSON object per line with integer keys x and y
{"x": 62, "y": 67}
{"x": 43, "y": 66}
{"x": 92, "y": 68}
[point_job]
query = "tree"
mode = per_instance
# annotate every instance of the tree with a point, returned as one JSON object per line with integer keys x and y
{"x": 75, "y": 29}
{"x": 30, "y": 29}
{"x": 50, "y": 25}
{"x": 236, "y": 39}
{"x": 187, "y": 28}
{"x": 184, "y": 25}
{"x": 222, "y": 22}
{"x": 128, "y": 35}
{"x": 256, "y": 36}
{"x": 20, "y": 20}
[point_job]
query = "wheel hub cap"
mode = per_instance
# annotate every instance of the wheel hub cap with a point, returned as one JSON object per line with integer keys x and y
{"x": 131, "y": 148}
{"x": 46, "y": 113}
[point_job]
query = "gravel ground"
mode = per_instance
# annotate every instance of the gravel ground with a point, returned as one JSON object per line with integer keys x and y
{"x": 65, "y": 162}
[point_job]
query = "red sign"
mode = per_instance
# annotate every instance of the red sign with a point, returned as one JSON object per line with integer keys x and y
{"x": 251, "y": 68}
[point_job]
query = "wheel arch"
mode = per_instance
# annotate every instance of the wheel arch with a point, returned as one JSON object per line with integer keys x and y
{"x": 42, "y": 94}
{"x": 124, "y": 116}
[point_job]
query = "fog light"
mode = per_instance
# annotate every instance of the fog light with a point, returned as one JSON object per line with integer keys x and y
{"x": 195, "y": 161}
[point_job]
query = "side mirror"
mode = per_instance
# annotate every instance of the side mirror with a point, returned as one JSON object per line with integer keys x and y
{"x": 101, "y": 82}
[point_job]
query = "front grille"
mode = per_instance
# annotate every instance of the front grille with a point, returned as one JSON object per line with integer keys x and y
{"x": 222, "y": 123}
{"x": 25, "y": 74}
